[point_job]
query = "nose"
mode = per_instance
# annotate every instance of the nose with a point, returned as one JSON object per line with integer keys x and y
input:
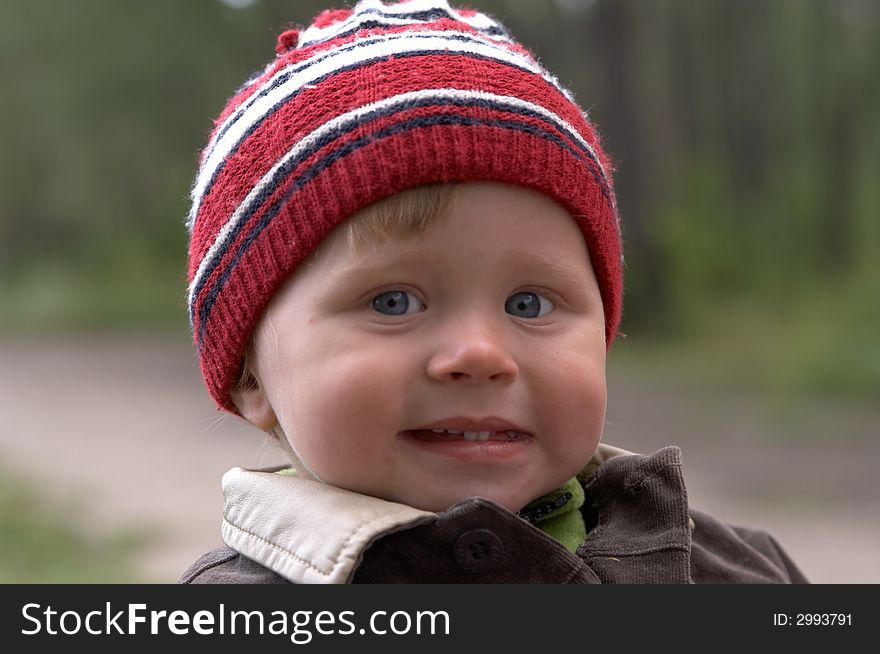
{"x": 473, "y": 355}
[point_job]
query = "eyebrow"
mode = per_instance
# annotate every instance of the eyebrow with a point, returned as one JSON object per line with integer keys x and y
{"x": 553, "y": 267}
{"x": 372, "y": 265}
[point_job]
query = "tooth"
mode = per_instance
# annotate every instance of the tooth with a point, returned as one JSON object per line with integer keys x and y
{"x": 471, "y": 435}
{"x": 438, "y": 431}
{"x": 454, "y": 431}
{"x": 484, "y": 435}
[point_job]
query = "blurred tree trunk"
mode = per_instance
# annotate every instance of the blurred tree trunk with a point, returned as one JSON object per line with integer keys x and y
{"x": 650, "y": 110}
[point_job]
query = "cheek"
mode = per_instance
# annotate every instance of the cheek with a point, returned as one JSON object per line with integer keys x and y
{"x": 581, "y": 395}
{"x": 572, "y": 397}
{"x": 344, "y": 399}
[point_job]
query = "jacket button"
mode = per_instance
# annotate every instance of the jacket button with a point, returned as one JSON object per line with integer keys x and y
{"x": 478, "y": 550}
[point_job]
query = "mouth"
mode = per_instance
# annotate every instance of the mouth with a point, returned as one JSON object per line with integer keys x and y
{"x": 475, "y": 441}
{"x": 439, "y": 435}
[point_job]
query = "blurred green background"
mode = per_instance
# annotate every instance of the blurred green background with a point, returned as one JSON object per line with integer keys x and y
{"x": 746, "y": 135}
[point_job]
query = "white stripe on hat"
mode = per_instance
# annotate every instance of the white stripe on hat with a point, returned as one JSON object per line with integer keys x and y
{"x": 376, "y": 11}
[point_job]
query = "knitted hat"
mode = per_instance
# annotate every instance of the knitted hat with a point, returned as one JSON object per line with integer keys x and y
{"x": 362, "y": 104}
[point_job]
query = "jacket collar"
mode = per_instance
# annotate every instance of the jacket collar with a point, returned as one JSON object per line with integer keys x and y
{"x": 281, "y": 521}
{"x": 643, "y": 530}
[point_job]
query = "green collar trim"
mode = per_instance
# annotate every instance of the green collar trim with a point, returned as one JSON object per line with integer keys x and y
{"x": 558, "y": 514}
{"x": 287, "y": 472}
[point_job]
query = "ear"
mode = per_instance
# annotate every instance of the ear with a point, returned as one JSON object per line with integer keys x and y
{"x": 253, "y": 404}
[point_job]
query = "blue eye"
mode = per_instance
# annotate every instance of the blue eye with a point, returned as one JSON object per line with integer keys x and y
{"x": 526, "y": 304}
{"x": 396, "y": 303}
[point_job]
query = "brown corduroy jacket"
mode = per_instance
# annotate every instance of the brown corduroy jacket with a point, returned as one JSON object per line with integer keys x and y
{"x": 640, "y": 530}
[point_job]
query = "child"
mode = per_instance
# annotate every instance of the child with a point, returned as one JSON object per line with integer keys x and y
{"x": 405, "y": 265}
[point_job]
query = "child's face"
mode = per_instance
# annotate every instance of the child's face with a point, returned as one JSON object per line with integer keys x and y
{"x": 490, "y": 321}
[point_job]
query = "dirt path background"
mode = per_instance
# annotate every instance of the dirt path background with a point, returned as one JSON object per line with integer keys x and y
{"x": 123, "y": 423}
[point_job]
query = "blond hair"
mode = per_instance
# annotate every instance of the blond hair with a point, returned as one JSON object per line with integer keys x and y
{"x": 403, "y": 214}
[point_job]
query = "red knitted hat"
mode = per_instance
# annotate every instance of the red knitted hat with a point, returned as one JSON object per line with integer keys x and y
{"x": 362, "y": 104}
